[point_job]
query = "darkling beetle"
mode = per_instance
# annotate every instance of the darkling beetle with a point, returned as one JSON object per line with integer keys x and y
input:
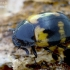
{"x": 44, "y": 30}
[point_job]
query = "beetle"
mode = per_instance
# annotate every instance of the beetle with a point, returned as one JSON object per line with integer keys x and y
{"x": 43, "y": 30}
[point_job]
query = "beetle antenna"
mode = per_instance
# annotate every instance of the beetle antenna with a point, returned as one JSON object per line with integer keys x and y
{"x": 11, "y": 29}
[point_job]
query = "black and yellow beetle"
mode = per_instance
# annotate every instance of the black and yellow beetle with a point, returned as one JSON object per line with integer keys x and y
{"x": 43, "y": 30}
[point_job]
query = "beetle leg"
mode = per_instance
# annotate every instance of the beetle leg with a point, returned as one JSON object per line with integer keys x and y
{"x": 66, "y": 52}
{"x": 54, "y": 55}
{"x": 27, "y": 52}
{"x": 47, "y": 49}
{"x": 61, "y": 46}
{"x": 67, "y": 56}
{"x": 34, "y": 51}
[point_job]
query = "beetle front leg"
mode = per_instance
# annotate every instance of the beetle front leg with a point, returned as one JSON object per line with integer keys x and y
{"x": 34, "y": 52}
{"x": 27, "y": 52}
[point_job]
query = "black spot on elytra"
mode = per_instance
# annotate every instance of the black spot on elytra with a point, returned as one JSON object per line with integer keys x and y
{"x": 49, "y": 32}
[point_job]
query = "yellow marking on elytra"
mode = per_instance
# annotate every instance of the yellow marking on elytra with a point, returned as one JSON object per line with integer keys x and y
{"x": 61, "y": 27}
{"x": 41, "y": 37}
{"x": 60, "y": 24}
{"x": 62, "y": 35}
{"x": 37, "y": 31}
{"x": 34, "y": 18}
{"x": 63, "y": 40}
{"x": 61, "y": 31}
{"x": 52, "y": 13}
{"x": 42, "y": 44}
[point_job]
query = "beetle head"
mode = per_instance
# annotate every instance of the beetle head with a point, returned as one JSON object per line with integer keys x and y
{"x": 19, "y": 43}
{"x": 16, "y": 42}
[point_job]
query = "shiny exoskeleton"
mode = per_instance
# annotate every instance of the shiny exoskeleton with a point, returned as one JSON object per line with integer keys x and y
{"x": 43, "y": 30}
